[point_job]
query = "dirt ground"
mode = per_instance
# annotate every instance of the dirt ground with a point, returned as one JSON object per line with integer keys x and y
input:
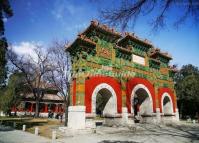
{"x": 46, "y": 128}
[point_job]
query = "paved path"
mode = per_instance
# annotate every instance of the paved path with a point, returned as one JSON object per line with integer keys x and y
{"x": 145, "y": 133}
{"x": 8, "y": 135}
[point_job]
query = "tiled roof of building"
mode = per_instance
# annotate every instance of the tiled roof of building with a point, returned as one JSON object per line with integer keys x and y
{"x": 54, "y": 97}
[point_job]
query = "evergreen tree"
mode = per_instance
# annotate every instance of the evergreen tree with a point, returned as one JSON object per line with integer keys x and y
{"x": 5, "y": 12}
{"x": 187, "y": 90}
{"x": 14, "y": 92}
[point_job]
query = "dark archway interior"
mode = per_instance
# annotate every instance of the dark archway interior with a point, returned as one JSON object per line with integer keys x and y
{"x": 166, "y": 100}
{"x": 139, "y": 97}
{"x": 101, "y": 100}
{"x": 167, "y": 106}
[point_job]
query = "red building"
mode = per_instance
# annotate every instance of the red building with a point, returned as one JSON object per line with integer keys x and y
{"x": 49, "y": 103}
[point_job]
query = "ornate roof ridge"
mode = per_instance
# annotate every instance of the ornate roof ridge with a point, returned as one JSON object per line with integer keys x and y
{"x": 105, "y": 27}
{"x": 133, "y": 36}
{"x": 124, "y": 49}
{"x": 155, "y": 51}
{"x": 95, "y": 23}
{"x": 173, "y": 68}
{"x": 155, "y": 60}
{"x": 83, "y": 37}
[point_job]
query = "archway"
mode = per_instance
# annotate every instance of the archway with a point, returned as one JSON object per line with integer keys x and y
{"x": 141, "y": 100}
{"x": 104, "y": 101}
{"x": 133, "y": 85}
{"x": 167, "y": 105}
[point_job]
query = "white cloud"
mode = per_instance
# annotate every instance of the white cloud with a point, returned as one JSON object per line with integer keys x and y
{"x": 63, "y": 9}
{"x": 5, "y": 19}
{"x": 26, "y": 49}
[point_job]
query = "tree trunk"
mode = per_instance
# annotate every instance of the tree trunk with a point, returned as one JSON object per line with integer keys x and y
{"x": 181, "y": 110}
{"x": 37, "y": 108}
{"x": 67, "y": 103}
{"x": 66, "y": 114}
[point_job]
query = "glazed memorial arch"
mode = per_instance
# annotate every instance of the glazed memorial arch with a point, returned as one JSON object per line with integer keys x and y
{"x": 110, "y": 70}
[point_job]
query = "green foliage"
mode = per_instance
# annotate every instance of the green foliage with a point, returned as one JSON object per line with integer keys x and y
{"x": 3, "y": 61}
{"x": 187, "y": 90}
{"x": 12, "y": 94}
{"x": 5, "y": 12}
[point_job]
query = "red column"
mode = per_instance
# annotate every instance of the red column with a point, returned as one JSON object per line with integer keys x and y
{"x": 14, "y": 109}
{"x": 74, "y": 92}
{"x": 56, "y": 108}
{"x": 46, "y": 108}
{"x": 23, "y": 108}
{"x": 31, "y": 107}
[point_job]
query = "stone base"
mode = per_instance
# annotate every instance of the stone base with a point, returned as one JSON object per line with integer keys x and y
{"x": 90, "y": 123}
{"x": 125, "y": 119}
{"x": 131, "y": 121}
{"x": 22, "y": 113}
{"x": 76, "y": 117}
{"x": 2, "y": 114}
{"x": 112, "y": 122}
{"x": 43, "y": 115}
{"x": 158, "y": 115}
{"x": 149, "y": 119}
{"x": 177, "y": 116}
{"x": 173, "y": 118}
{"x": 168, "y": 119}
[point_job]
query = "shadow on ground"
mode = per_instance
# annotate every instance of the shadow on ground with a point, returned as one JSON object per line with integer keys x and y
{"x": 109, "y": 141}
{"x": 191, "y": 133}
{"x": 5, "y": 128}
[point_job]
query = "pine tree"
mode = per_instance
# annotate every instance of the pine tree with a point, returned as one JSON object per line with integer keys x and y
{"x": 5, "y": 12}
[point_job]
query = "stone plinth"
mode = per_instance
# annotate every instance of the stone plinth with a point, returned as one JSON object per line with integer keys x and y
{"x": 76, "y": 117}
{"x": 177, "y": 118}
{"x": 158, "y": 115}
{"x": 125, "y": 119}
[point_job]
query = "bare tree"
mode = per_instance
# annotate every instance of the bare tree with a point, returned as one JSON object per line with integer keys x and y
{"x": 60, "y": 73}
{"x": 34, "y": 69}
{"x": 131, "y": 10}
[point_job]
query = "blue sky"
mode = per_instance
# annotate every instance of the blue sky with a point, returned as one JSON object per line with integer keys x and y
{"x": 42, "y": 21}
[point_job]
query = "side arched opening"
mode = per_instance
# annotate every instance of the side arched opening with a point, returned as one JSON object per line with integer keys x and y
{"x": 167, "y": 105}
{"x": 104, "y": 101}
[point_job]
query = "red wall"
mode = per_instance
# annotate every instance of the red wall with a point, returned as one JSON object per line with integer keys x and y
{"x": 130, "y": 86}
{"x": 161, "y": 91}
{"x": 92, "y": 82}
{"x": 74, "y": 92}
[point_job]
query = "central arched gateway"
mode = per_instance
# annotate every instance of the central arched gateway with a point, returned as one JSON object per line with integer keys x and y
{"x": 142, "y": 101}
{"x": 144, "y": 90}
{"x": 104, "y": 100}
